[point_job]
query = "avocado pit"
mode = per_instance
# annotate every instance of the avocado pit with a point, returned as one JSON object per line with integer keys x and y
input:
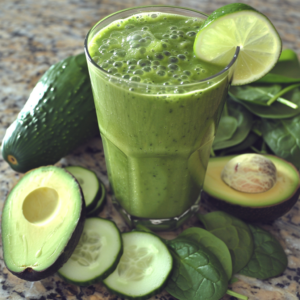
{"x": 250, "y": 173}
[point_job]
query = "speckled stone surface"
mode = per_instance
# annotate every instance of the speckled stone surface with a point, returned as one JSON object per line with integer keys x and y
{"x": 35, "y": 34}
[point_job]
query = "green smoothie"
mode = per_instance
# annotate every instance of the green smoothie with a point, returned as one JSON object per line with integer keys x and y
{"x": 157, "y": 119}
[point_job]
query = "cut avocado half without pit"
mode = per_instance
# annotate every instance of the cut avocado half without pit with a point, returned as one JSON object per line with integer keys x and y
{"x": 42, "y": 221}
{"x": 93, "y": 189}
{"x": 250, "y": 203}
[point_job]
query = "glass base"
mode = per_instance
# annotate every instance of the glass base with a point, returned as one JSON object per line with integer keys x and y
{"x": 157, "y": 224}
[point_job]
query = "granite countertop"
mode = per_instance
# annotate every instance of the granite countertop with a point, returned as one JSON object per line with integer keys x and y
{"x": 36, "y": 34}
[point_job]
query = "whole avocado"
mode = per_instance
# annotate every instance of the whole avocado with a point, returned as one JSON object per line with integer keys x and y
{"x": 58, "y": 116}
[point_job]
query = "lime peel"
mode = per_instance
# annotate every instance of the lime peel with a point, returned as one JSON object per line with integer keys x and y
{"x": 238, "y": 24}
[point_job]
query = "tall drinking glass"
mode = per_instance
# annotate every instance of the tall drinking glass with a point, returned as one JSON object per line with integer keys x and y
{"x": 157, "y": 138}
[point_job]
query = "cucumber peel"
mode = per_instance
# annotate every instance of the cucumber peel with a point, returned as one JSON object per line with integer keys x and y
{"x": 90, "y": 184}
{"x": 143, "y": 269}
{"x": 100, "y": 203}
{"x": 96, "y": 255}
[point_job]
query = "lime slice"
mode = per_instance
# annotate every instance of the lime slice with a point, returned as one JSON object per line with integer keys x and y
{"x": 238, "y": 24}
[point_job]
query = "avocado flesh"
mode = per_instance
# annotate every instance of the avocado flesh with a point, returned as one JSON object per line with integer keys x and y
{"x": 266, "y": 206}
{"x": 42, "y": 222}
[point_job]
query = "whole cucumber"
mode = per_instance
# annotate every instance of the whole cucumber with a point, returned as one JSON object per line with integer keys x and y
{"x": 58, "y": 116}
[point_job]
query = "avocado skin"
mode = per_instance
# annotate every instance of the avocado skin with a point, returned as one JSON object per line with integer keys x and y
{"x": 252, "y": 214}
{"x": 58, "y": 116}
{"x": 32, "y": 275}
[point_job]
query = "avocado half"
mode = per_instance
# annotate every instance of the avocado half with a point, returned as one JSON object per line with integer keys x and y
{"x": 258, "y": 207}
{"x": 42, "y": 221}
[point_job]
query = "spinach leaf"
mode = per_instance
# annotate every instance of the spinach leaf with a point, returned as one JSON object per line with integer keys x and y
{"x": 274, "y": 78}
{"x": 288, "y": 64}
{"x": 234, "y": 233}
{"x": 226, "y": 129}
{"x": 197, "y": 273}
{"x": 268, "y": 258}
{"x": 244, "y": 124}
{"x": 233, "y": 280}
{"x": 213, "y": 244}
{"x": 245, "y": 144}
{"x": 255, "y": 94}
{"x": 286, "y": 70}
{"x": 283, "y": 137}
{"x": 276, "y": 110}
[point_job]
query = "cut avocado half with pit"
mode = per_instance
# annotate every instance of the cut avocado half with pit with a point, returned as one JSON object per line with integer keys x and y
{"x": 252, "y": 207}
{"x": 42, "y": 221}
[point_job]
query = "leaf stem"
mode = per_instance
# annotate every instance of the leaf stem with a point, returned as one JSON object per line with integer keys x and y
{"x": 143, "y": 228}
{"x": 256, "y": 131}
{"x": 225, "y": 109}
{"x": 287, "y": 102}
{"x": 282, "y": 100}
{"x": 236, "y": 295}
{"x": 212, "y": 153}
{"x": 264, "y": 148}
{"x": 254, "y": 149}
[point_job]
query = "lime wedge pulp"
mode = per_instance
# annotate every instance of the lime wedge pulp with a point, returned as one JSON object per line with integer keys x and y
{"x": 238, "y": 24}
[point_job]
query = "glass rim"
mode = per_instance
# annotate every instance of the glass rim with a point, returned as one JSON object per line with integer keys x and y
{"x": 225, "y": 69}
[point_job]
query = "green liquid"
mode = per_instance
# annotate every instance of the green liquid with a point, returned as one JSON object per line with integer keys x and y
{"x": 157, "y": 137}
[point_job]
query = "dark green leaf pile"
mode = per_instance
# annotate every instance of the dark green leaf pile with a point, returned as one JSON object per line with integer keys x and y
{"x": 213, "y": 244}
{"x": 263, "y": 117}
{"x": 234, "y": 233}
{"x": 206, "y": 260}
{"x": 197, "y": 274}
{"x": 235, "y": 124}
{"x": 268, "y": 259}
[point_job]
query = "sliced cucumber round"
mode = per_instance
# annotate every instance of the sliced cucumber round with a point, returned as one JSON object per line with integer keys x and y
{"x": 96, "y": 255}
{"x": 90, "y": 185}
{"x": 143, "y": 268}
{"x": 99, "y": 205}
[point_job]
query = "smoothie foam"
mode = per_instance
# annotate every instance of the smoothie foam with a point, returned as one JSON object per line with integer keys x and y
{"x": 151, "y": 48}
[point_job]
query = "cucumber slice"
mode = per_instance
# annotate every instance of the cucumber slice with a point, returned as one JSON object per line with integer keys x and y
{"x": 100, "y": 203}
{"x": 96, "y": 255}
{"x": 144, "y": 267}
{"x": 90, "y": 185}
